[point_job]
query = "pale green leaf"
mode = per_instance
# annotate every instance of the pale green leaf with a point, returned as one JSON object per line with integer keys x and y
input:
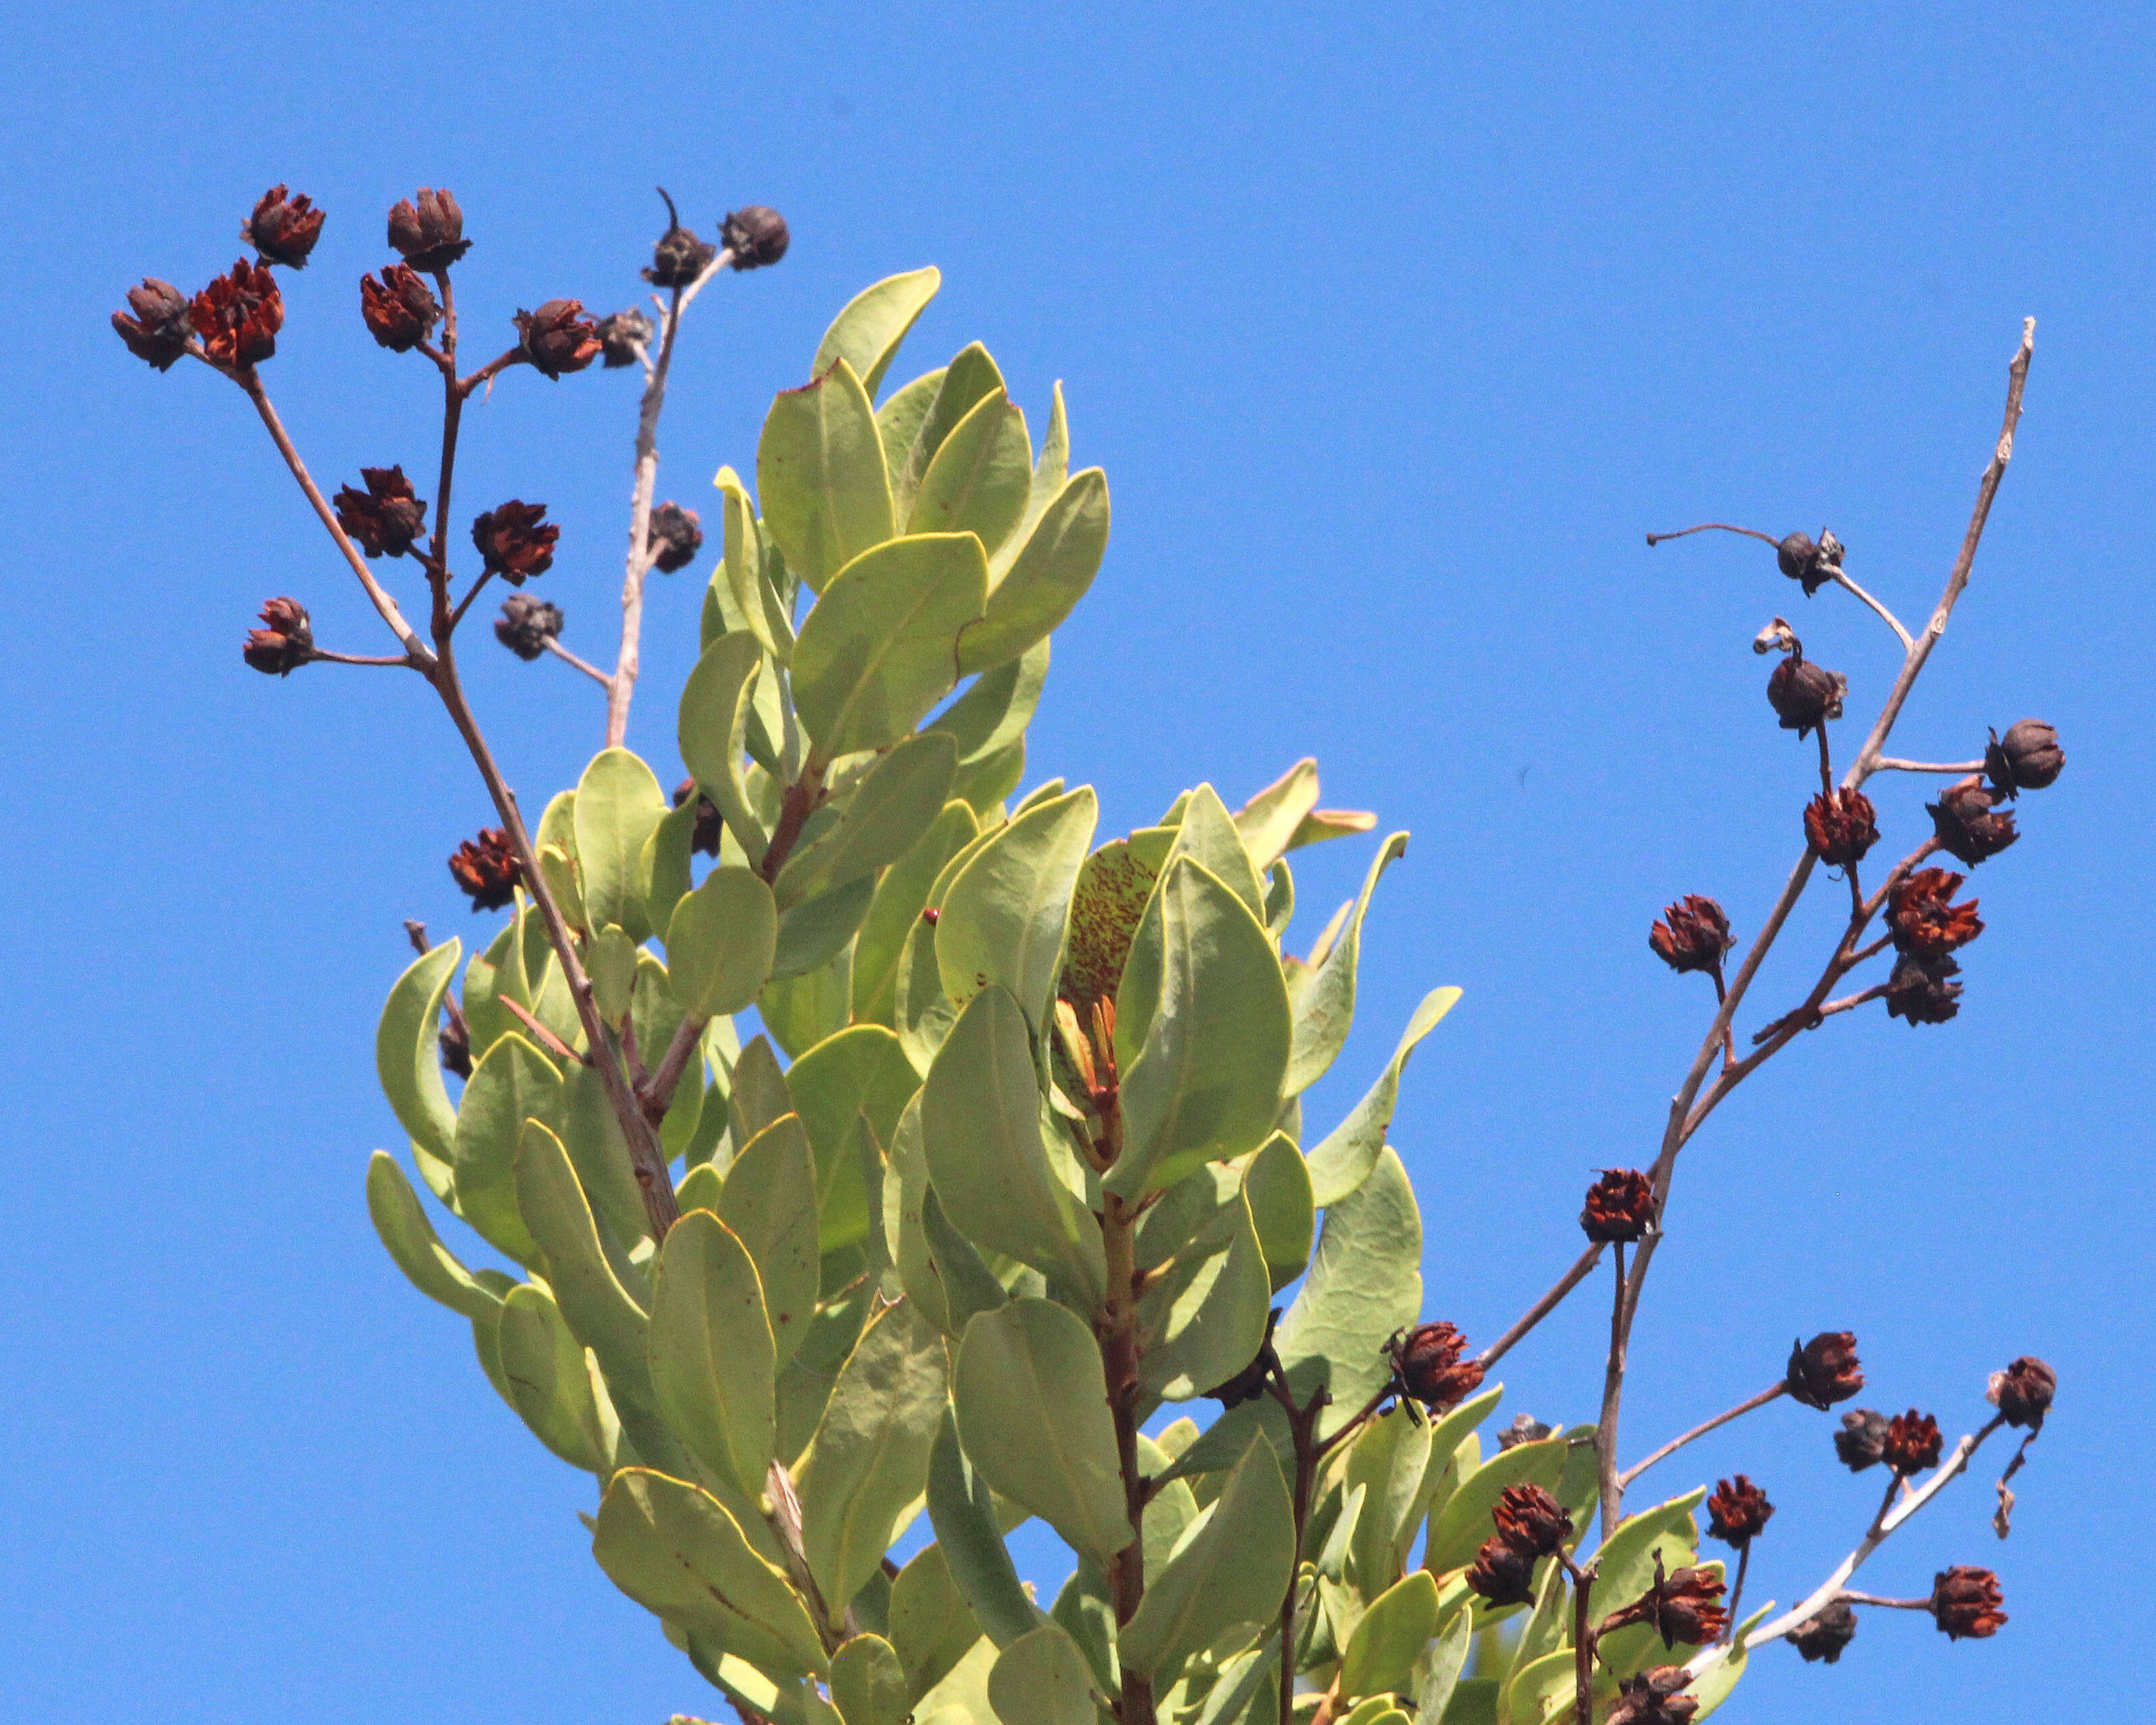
{"x": 431, "y": 1268}
{"x": 1325, "y": 1000}
{"x": 549, "y": 1385}
{"x": 962, "y": 1509}
{"x": 769, "y": 1203}
{"x": 721, "y": 942}
{"x": 895, "y": 802}
{"x": 867, "y": 333}
{"x": 819, "y": 471}
{"x": 1004, "y": 915}
{"x": 714, "y": 713}
{"x": 1379, "y": 1658}
{"x": 1041, "y": 577}
{"x": 979, "y": 481}
{"x": 1268, "y": 821}
{"x": 618, "y": 804}
{"x": 409, "y": 1062}
{"x": 1042, "y": 1679}
{"x": 932, "y": 1626}
{"x": 901, "y": 894}
{"x": 513, "y": 1084}
{"x": 1283, "y": 1208}
{"x": 868, "y": 1684}
{"x": 713, "y": 1362}
{"x": 962, "y": 384}
{"x": 1343, "y": 1160}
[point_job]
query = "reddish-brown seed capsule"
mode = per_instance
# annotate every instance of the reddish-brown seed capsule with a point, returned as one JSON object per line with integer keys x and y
{"x": 676, "y": 536}
{"x": 1620, "y": 1206}
{"x": 1528, "y": 1519}
{"x": 1737, "y": 1511}
{"x": 1923, "y": 993}
{"x": 1804, "y": 694}
{"x": 2023, "y": 1392}
{"x": 400, "y": 310}
{"x": 1841, "y": 827}
{"x": 1965, "y": 1601}
{"x": 428, "y": 231}
{"x": 516, "y": 541}
{"x": 526, "y": 625}
{"x": 1427, "y": 1360}
{"x": 386, "y": 519}
{"x": 680, "y": 256}
{"x": 705, "y": 836}
{"x": 1693, "y": 935}
{"x": 621, "y": 335}
{"x": 1824, "y": 1370}
{"x": 156, "y": 325}
{"x": 285, "y": 642}
{"x": 1503, "y": 1572}
{"x": 1913, "y": 1442}
{"x": 487, "y": 869}
{"x": 1652, "y": 1698}
{"x": 1824, "y": 1636}
{"x": 1861, "y": 1442}
{"x": 1923, "y": 921}
{"x": 282, "y": 230}
{"x": 237, "y": 316}
{"x": 1968, "y": 824}
{"x": 1815, "y": 564}
{"x": 558, "y": 339}
{"x": 1679, "y": 1607}
{"x": 755, "y": 235}
{"x": 2027, "y": 758}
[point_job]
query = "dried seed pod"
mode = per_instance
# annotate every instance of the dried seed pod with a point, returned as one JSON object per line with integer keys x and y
{"x": 679, "y": 257}
{"x": 386, "y": 519}
{"x": 487, "y": 869}
{"x": 282, "y": 230}
{"x": 455, "y": 1043}
{"x": 1503, "y": 1573}
{"x": 1824, "y": 1636}
{"x": 1913, "y": 1442}
{"x": 427, "y": 232}
{"x": 1841, "y": 826}
{"x": 1693, "y": 935}
{"x": 1529, "y": 1519}
{"x": 755, "y": 235}
{"x": 1815, "y": 564}
{"x": 1427, "y": 1360}
{"x": 558, "y": 339}
{"x": 528, "y": 623}
{"x": 1737, "y": 1511}
{"x": 1679, "y": 1607}
{"x": 1620, "y": 1206}
{"x": 1922, "y": 922}
{"x": 157, "y": 325}
{"x": 400, "y": 310}
{"x": 237, "y": 316}
{"x": 621, "y": 334}
{"x": 2022, "y": 1394}
{"x": 1248, "y": 1384}
{"x": 1968, "y": 823}
{"x": 1861, "y": 1442}
{"x": 1920, "y": 992}
{"x": 676, "y": 536}
{"x": 1804, "y": 694}
{"x": 1522, "y": 1429}
{"x": 2027, "y": 758}
{"x": 285, "y": 642}
{"x": 1965, "y": 1601}
{"x": 710, "y": 824}
{"x": 515, "y": 540}
{"x": 1824, "y": 1370}
{"x": 1652, "y": 1698}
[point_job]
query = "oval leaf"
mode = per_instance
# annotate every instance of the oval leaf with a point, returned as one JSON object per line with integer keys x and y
{"x": 819, "y": 470}
{"x": 618, "y": 804}
{"x": 713, "y": 1362}
{"x": 1344, "y": 1159}
{"x": 979, "y": 480}
{"x": 1053, "y": 566}
{"x": 721, "y": 942}
{"x": 1003, "y": 916}
{"x": 867, "y": 333}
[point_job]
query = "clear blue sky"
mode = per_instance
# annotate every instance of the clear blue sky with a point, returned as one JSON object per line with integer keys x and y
{"x": 1393, "y": 332}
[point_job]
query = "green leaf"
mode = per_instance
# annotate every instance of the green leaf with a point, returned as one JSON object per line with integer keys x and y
{"x": 895, "y": 802}
{"x": 1032, "y": 1401}
{"x": 900, "y": 419}
{"x": 1322, "y": 824}
{"x": 1042, "y": 1679}
{"x": 819, "y": 470}
{"x": 1325, "y": 1002}
{"x": 994, "y": 714}
{"x": 1109, "y": 902}
{"x": 1004, "y": 915}
{"x": 1624, "y": 1564}
{"x": 1204, "y": 1320}
{"x": 868, "y": 1684}
{"x": 862, "y": 1478}
{"x": 713, "y": 1362}
{"x": 761, "y": 1094}
{"x": 618, "y": 804}
{"x": 714, "y": 713}
{"x": 721, "y": 942}
{"x": 675, "y": 1550}
{"x": 812, "y": 933}
{"x": 769, "y": 1203}
{"x": 746, "y": 582}
{"x": 962, "y": 384}
{"x": 867, "y": 333}
{"x": 893, "y": 912}
{"x": 409, "y": 1062}
{"x": 1052, "y": 469}
{"x": 1228, "y": 1574}
{"x": 600, "y": 1310}
{"x": 513, "y": 1083}
{"x": 1343, "y": 1160}
{"x": 937, "y": 1266}
{"x": 985, "y": 783}
{"x": 1268, "y": 821}
{"x": 1380, "y": 1656}
{"x": 1458, "y": 1529}
{"x": 1365, "y": 1282}
{"x": 1201, "y": 987}
{"x": 1390, "y": 1459}
{"x": 876, "y": 652}
{"x": 980, "y": 479}
{"x": 805, "y": 1385}
{"x": 698, "y": 1189}
{"x": 431, "y": 1268}
{"x": 963, "y": 1511}
{"x": 1446, "y": 1436}
{"x": 610, "y": 961}
{"x": 1283, "y": 1208}
{"x": 980, "y": 1118}
{"x": 1206, "y": 834}
{"x": 1047, "y": 575}
{"x": 1438, "y": 1666}
{"x": 550, "y": 1385}
{"x": 1715, "y": 1684}
{"x": 861, "y": 1070}
{"x": 932, "y": 1626}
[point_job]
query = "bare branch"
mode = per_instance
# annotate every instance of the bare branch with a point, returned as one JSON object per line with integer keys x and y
{"x": 1581, "y": 1267}
{"x": 1701, "y": 1430}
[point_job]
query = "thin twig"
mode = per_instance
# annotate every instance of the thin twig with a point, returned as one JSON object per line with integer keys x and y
{"x": 464, "y": 604}
{"x": 553, "y": 1043}
{"x": 1885, "y": 615}
{"x": 657, "y": 1091}
{"x": 590, "y": 670}
{"x": 1889, "y": 763}
{"x": 318, "y": 656}
{"x": 1847, "y": 1598}
{"x": 1581, "y": 1267}
{"x": 1721, "y": 527}
{"x": 1701, "y": 1430}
